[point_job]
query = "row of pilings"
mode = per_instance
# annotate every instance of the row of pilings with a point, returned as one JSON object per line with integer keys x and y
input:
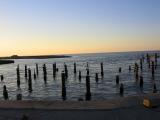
{"x": 151, "y": 62}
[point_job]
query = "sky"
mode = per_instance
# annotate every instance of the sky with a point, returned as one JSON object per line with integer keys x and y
{"x": 38, "y": 27}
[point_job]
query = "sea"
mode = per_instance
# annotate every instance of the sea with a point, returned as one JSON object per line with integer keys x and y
{"x": 106, "y": 87}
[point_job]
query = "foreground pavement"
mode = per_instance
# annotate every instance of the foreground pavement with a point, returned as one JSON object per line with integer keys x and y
{"x": 130, "y": 108}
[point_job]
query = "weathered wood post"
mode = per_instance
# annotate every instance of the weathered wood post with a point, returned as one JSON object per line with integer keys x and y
{"x": 87, "y": 71}
{"x": 30, "y": 81}
{"x": 148, "y": 60}
{"x": 54, "y": 70}
{"x": 63, "y": 86}
{"x": 35, "y": 76}
{"x": 66, "y": 70}
{"x": 141, "y": 82}
{"x": 153, "y": 68}
{"x": 141, "y": 64}
{"x": 75, "y": 68}
{"x": 88, "y": 92}
{"x": 37, "y": 69}
{"x": 121, "y": 89}
{"x": 117, "y": 79}
{"x": 18, "y": 76}
{"x": 102, "y": 72}
{"x": 19, "y": 96}
{"x": 130, "y": 68}
{"x": 136, "y": 70}
{"x": 2, "y": 77}
{"x": 120, "y": 70}
{"x": 26, "y": 71}
{"x": 45, "y": 73}
{"x": 154, "y": 88}
{"x": 156, "y": 57}
{"x": 80, "y": 76}
{"x": 5, "y": 93}
{"x": 96, "y": 77}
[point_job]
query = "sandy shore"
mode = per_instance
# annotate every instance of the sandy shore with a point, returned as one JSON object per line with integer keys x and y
{"x": 120, "y": 109}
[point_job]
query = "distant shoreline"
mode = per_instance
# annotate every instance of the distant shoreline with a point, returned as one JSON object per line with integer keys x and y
{"x": 6, "y": 62}
{"x": 35, "y": 57}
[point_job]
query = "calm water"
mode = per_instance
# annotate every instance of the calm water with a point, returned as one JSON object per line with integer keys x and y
{"x": 105, "y": 89}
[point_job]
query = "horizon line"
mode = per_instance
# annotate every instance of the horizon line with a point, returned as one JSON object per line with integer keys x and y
{"x": 87, "y": 53}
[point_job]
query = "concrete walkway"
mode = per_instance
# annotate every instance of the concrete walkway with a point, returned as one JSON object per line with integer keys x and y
{"x": 130, "y": 108}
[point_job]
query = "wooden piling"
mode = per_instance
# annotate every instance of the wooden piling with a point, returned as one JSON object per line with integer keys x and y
{"x": 35, "y": 76}
{"x": 88, "y": 92}
{"x": 117, "y": 79}
{"x": 141, "y": 82}
{"x": 19, "y": 97}
{"x": 30, "y": 81}
{"x": 37, "y": 69}
{"x": 121, "y": 89}
{"x": 80, "y": 76}
{"x": 54, "y": 70}
{"x": 136, "y": 70}
{"x": 153, "y": 68}
{"x": 156, "y": 57}
{"x": 120, "y": 70}
{"x": 154, "y": 88}
{"x": 75, "y": 68}
{"x": 130, "y": 69}
{"x": 26, "y": 71}
{"x": 63, "y": 86}
{"x": 66, "y": 70}
{"x": 102, "y": 72}
{"x": 2, "y": 77}
{"x": 141, "y": 64}
{"x": 87, "y": 71}
{"x": 18, "y": 76}
{"x": 45, "y": 73}
{"x": 96, "y": 77}
{"x": 5, "y": 93}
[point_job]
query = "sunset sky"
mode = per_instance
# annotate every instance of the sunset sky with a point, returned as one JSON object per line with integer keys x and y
{"x": 36, "y": 27}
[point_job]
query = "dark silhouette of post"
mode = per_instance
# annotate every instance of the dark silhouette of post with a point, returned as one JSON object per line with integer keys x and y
{"x": 88, "y": 71}
{"x": 148, "y": 60}
{"x": 80, "y": 76}
{"x": 26, "y": 71}
{"x": 30, "y": 81}
{"x": 35, "y": 76}
{"x": 154, "y": 88}
{"x": 102, "y": 72}
{"x": 156, "y": 57}
{"x": 75, "y": 68}
{"x": 141, "y": 82}
{"x": 37, "y": 69}
{"x": 2, "y": 77}
{"x": 117, "y": 79}
{"x": 54, "y": 70}
{"x": 19, "y": 97}
{"x": 96, "y": 77}
{"x": 88, "y": 92}
{"x": 18, "y": 76}
{"x": 130, "y": 68}
{"x": 121, "y": 89}
{"x": 63, "y": 86}
{"x": 141, "y": 64}
{"x": 5, "y": 93}
{"x": 45, "y": 73}
{"x": 136, "y": 70}
{"x": 120, "y": 70}
{"x": 153, "y": 68}
{"x": 66, "y": 70}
